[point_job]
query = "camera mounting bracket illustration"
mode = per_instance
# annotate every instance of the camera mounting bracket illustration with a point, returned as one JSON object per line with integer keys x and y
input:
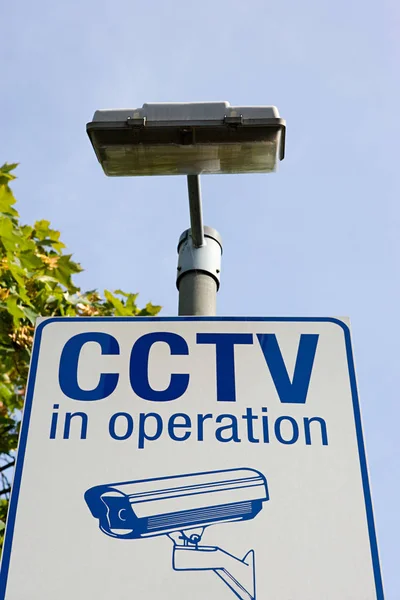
{"x": 182, "y": 507}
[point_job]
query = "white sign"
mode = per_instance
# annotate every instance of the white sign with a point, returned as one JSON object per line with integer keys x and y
{"x": 191, "y": 457}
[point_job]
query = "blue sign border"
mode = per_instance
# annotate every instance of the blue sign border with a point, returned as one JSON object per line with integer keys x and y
{"x": 28, "y": 406}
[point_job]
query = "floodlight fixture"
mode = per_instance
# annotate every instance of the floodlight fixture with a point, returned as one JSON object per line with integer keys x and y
{"x": 190, "y": 138}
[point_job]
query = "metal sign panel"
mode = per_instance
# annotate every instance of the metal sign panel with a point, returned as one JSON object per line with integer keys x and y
{"x": 210, "y": 457}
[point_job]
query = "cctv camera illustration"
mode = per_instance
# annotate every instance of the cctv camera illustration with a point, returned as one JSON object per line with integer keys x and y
{"x": 182, "y": 507}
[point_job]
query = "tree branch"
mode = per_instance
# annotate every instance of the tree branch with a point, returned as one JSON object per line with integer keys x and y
{"x": 5, "y": 467}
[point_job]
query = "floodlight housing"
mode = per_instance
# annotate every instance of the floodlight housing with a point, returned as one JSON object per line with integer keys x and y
{"x": 188, "y": 139}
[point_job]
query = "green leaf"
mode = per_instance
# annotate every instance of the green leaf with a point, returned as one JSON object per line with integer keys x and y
{"x": 5, "y": 173}
{"x": 30, "y": 261}
{"x": 11, "y": 236}
{"x": 30, "y": 314}
{"x": 127, "y": 295}
{"x": 51, "y": 243}
{"x": 130, "y": 303}
{"x": 42, "y": 228}
{"x": 5, "y": 392}
{"x": 7, "y": 167}
{"x": 6, "y": 228}
{"x": 15, "y": 310}
{"x": 6, "y": 201}
{"x": 120, "y": 309}
{"x": 65, "y": 269}
{"x": 47, "y": 236}
{"x": 150, "y": 310}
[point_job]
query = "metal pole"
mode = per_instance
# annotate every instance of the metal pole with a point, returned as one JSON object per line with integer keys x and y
{"x": 199, "y": 262}
{"x": 197, "y": 295}
{"x": 196, "y": 211}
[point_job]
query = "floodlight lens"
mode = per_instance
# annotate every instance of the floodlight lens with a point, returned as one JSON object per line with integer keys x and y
{"x": 186, "y": 160}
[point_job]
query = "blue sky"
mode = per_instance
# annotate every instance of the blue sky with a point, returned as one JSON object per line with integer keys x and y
{"x": 319, "y": 238}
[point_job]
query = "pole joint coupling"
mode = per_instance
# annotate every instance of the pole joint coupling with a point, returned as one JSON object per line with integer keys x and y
{"x": 206, "y": 259}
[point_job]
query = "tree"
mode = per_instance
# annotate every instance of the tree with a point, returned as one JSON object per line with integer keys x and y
{"x": 35, "y": 280}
